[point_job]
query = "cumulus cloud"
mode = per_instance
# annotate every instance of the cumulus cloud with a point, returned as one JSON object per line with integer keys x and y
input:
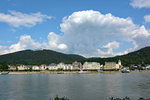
{"x": 53, "y": 42}
{"x": 147, "y": 18}
{"x": 140, "y": 3}
{"x": 91, "y": 33}
{"x": 110, "y": 49}
{"x": 17, "y": 19}
{"x": 84, "y": 31}
{"x": 26, "y": 42}
{"x": 110, "y": 46}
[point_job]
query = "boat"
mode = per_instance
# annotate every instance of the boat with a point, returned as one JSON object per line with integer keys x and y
{"x": 4, "y": 73}
{"x": 60, "y": 72}
{"x": 125, "y": 71}
{"x": 83, "y": 72}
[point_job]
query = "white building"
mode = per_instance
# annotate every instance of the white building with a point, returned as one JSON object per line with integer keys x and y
{"x": 21, "y": 67}
{"x": 12, "y": 67}
{"x": 35, "y": 68}
{"x": 91, "y": 65}
{"x": 43, "y": 67}
{"x": 76, "y": 65}
{"x": 68, "y": 67}
{"x": 119, "y": 62}
{"x": 61, "y": 65}
{"x": 112, "y": 65}
{"x": 52, "y": 66}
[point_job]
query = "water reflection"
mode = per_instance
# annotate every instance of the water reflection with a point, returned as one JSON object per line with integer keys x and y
{"x": 74, "y": 86}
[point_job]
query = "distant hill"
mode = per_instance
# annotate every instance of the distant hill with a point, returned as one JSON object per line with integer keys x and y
{"x": 30, "y": 57}
{"x": 136, "y": 57}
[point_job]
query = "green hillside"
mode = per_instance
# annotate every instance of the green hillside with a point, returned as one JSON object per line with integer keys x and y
{"x": 136, "y": 57}
{"x": 30, "y": 57}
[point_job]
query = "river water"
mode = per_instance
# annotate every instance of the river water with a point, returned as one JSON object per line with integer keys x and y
{"x": 74, "y": 86}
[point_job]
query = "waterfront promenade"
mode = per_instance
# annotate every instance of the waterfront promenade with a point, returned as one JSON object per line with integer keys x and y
{"x": 72, "y": 72}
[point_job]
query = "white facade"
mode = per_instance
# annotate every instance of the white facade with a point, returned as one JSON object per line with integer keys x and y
{"x": 12, "y": 67}
{"x": 35, "y": 68}
{"x": 61, "y": 65}
{"x": 119, "y": 62}
{"x": 52, "y": 67}
{"x": 43, "y": 67}
{"x": 68, "y": 67}
{"x": 91, "y": 65}
{"x": 21, "y": 67}
{"x": 65, "y": 66}
{"x": 76, "y": 65}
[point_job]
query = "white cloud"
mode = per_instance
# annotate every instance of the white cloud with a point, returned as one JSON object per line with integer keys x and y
{"x": 53, "y": 42}
{"x": 110, "y": 49}
{"x": 112, "y": 45}
{"x": 147, "y": 18}
{"x": 140, "y": 3}
{"x": 25, "y": 42}
{"x": 18, "y": 19}
{"x": 86, "y": 32}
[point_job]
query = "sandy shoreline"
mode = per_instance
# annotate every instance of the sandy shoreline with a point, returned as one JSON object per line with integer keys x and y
{"x": 73, "y": 72}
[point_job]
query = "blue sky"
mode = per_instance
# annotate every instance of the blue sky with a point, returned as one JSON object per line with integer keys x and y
{"x": 36, "y": 24}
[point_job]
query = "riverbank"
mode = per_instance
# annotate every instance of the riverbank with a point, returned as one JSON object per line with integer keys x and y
{"x": 72, "y": 72}
{"x": 138, "y": 71}
{"x": 45, "y": 72}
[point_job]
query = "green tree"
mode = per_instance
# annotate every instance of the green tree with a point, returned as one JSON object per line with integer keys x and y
{"x": 30, "y": 68}
{"x": 4, "y": 67}
{"x": 60, "y": 69}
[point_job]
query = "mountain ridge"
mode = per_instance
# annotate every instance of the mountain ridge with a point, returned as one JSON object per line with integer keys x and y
{"x": 37, "y": 57}
{"x": 136, "y": 57}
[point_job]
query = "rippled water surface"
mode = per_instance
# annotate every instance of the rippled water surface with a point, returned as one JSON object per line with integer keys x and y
{"x": 74, "y": 86}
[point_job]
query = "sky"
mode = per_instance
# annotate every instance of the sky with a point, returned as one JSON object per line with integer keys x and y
{"x": 91, "y": 28}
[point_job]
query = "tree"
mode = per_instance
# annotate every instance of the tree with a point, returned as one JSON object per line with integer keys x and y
{"x": 30, "y": 68}
{"x": 143, "y": 64}
{"x": 60, "y": 69}
{"x": 4, "y": 67}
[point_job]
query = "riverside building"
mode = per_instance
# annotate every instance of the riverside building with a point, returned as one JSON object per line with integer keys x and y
{"x": 112, "y": 65}
{"x": 91, "y": 66}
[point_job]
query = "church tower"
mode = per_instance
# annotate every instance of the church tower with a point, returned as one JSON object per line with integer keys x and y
{"x": 119, "y": 62}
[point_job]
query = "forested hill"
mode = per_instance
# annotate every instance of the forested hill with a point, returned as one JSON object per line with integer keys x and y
{"x": 30, "y": 57}
{"x": 136, "y": 57}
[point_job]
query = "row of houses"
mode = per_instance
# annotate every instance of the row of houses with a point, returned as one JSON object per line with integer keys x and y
{"x": 74, "y": 66}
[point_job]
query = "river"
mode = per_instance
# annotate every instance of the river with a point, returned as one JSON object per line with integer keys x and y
{"x": 74, "y": 86}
